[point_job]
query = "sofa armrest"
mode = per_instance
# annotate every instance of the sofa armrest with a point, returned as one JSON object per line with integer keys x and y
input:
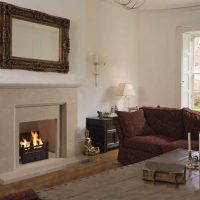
{"x": 191, "y": 122}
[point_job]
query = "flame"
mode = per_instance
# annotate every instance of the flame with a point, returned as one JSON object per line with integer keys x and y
{"x": 35, "y": 140}
{"x": 25, "y": 143}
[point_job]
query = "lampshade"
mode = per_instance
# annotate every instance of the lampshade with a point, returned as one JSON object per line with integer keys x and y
{"x": 126, "y": 89}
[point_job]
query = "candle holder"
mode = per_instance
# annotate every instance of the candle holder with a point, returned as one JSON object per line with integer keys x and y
{"x": 189, "y": 164}
{"x": 193, "y": 161}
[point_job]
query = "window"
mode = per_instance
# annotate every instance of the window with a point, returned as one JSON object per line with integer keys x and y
{"x": 191, "y": 70}
{"x": 196, "y": 75}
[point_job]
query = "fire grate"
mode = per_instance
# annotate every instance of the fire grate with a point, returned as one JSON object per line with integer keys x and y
{"x": 33, "y": 153}
{"x": 32, "y": 148}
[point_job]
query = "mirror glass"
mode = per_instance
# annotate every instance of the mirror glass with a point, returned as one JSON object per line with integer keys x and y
{"x": 35, "y": 41}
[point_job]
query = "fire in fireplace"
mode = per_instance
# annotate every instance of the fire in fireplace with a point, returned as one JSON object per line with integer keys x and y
{"x": 32, "y": 148}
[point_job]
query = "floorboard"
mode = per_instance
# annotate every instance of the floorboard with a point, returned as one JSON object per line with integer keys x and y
{"x": 96, "y": 164}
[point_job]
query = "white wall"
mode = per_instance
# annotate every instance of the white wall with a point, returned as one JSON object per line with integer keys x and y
{"x": 110, "y": 32}
{"x": 159, "y": 54}
{"x": 97, "y": 26}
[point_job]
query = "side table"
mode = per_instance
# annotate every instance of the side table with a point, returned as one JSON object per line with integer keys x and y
{"x": 102, "y": 133}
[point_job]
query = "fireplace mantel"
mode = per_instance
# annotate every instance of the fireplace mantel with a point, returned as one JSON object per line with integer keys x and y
{"x": 15, "y": 99}
{"x": 37, "y": 85}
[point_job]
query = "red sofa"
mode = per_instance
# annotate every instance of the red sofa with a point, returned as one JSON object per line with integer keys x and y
{"x": 150, "y": 131}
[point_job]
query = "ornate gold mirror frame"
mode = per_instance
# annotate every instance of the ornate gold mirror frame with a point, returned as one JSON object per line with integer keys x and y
{"x": 7, "y": 61}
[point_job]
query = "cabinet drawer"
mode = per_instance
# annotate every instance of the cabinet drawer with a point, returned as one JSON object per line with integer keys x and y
{"x": 110, "y": 125}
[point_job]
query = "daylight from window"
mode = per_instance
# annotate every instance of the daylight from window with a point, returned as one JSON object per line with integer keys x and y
{"x": 190, "y": 88}
{"x": 196, "y": 75}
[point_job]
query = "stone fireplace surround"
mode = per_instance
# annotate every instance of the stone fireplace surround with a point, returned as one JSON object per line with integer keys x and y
{"x": 46, "y": 102}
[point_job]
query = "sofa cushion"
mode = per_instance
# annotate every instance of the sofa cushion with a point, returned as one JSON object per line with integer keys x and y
{"x": 133, "y": 123}
{"x": 23, "y": 195}
{"x": 191, "y": 121}
{"x": 183, "y": 143}
{"x": 149, "y": 143}
{"x": 165, "y": 121}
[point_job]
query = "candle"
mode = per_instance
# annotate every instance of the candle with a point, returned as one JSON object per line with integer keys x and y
{"x": 199, "y": 141}
{"x": 189, "y": 142}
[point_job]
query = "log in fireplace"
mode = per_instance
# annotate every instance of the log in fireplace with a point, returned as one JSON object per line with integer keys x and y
{"x": 32, "y": 148}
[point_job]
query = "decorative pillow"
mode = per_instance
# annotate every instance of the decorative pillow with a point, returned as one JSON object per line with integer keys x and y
{"x": 191, "y": 120}
{"x": 165, "y": 121}
{"x": 134, "y": 123}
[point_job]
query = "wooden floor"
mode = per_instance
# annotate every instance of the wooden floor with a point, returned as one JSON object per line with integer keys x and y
{"x": 95, "y": 165}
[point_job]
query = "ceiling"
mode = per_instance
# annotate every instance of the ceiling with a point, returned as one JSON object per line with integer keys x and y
{"x": 168, "y": 4}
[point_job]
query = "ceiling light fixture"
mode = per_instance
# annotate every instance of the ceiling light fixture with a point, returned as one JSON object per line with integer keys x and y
{"x": 130, "y": 4}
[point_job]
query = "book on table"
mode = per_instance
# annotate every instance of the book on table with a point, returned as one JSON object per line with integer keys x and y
{"x": 165, "y": 172}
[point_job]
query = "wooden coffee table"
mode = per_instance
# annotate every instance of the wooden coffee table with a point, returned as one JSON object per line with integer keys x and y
{"x": 126, "y": 183}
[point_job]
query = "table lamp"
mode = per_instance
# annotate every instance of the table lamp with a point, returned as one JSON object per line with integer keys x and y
{"x": 126, "y": 90}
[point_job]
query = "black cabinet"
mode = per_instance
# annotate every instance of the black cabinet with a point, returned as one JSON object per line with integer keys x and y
{"x": 102, "y": 133}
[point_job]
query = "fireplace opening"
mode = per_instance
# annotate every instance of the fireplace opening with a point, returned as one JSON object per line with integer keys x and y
{"x": 38, "y": 140}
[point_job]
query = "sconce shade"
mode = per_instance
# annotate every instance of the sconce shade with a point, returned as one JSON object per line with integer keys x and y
{"x": 125, "y": 89}
{"x": 95, "y": 59}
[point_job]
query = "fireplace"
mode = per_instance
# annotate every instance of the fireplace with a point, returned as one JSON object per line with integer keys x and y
{"x": 49, "y": 110}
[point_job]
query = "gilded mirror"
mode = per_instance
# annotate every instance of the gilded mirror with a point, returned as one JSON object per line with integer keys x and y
{"x": 33, "y": 40}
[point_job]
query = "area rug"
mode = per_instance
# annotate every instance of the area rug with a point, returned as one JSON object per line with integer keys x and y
{"x": 125, "y": 183}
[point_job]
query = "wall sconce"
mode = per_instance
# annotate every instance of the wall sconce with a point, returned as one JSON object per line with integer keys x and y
{"x": 99, "y": 62}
